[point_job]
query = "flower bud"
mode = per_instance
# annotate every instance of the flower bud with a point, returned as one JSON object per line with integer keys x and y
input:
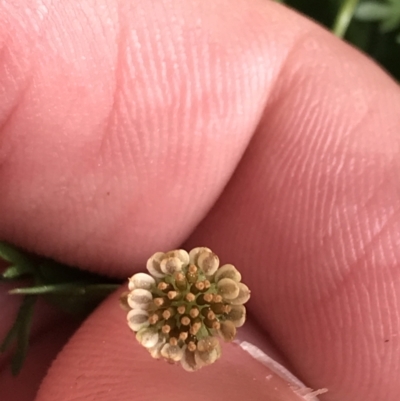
{"x": 191, "y": 345}
{"x": 181, "y": 309}
{"x": 228, "y": 271}
{"x": 185, "y": 320}
{"x": 216, "y": 298}
{"x": 183, "y": 335}
{"x": 161, "y": 301}
{"x": 218, "y": 308}
{"x": 192, "y": 275}
{"x": 212, "y": 324}
{"x": 141, "y": 280}
{"x": 208, "y": 262}
{"x": 228, "y": 288}
{"x": 190, "y": 297}
{"x": 153, "y": 265}
{"x": 195, "y": 328}
{"x": 197, "y": 287}
{"x": 171, "y": 265}
{"x": 147, "y": 337}
{"x": 173, "y": 340}
{"x": 155, "y": 317}
{"x": 173, "y": 295}
{"x": 180, "y": 281}
{"x": 208, "y": 313}
{"x": 204, "y": 299}
{"x": 137, "y": 319}
{"x": 194, "y": 312}
{"x": 140, "y": 299}
{"x": 243, "y": 296}
{"x": 168, "y": 313}
{"x": 164, "y": 287}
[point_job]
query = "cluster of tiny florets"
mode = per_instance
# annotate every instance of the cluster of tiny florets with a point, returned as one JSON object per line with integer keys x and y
{"x": 179, "y": 310}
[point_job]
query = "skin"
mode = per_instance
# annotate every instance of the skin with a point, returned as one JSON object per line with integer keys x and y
{"x": 130, "y": 127}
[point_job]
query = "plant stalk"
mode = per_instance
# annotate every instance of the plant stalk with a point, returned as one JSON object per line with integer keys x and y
{"x": 344, "y": 17}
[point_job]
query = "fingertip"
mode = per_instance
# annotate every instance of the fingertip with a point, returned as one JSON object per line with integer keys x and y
{"x": 104, "y": 361}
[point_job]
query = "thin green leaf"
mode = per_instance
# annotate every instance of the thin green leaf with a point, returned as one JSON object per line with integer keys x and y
{"x": 14, "y": 272}
{"x": 372, "y": 11}
{"x": 73, "y": 298}
{"x": 24, "y": 321}
{"x": 10, "y": 254}
{"x": 391, "y": 23}
{"x": 70, "y": 288}
{"x": 11, "y": 335}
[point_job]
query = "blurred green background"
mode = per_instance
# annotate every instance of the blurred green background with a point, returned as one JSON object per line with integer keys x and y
{"x": 371, "y": 25}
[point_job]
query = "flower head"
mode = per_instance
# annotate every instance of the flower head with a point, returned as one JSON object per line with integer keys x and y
{"x": 179, "y": 310}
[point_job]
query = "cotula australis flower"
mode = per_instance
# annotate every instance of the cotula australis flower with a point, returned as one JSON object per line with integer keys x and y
{"x": 179, "y": 310}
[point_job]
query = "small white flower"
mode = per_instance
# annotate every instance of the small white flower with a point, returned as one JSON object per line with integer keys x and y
{"x": 228, "y": 288}
{"x": 173, "y": 353}
{"x": 170, "y": 265}
{"x": 148, "y": 337}
{"x": 208, "y": 351}
{"x": 140, "y": 299}
{"x": 187, "y": 301}
{"x": 137, "y": 319}
{"x": 155, "y": 351}
{"x": 243, "y": 296}
{"x": 237, "y": 315}
{"x": 194, "y": 253}
{"x": 188, "y": 361}
{"x": 228, "y": 271}
{"x": 141, "y": 280}
{"x": 181, "y": 254}
{"x": 227, "y": 330}
{"x": 208, "y": 261}
{"x": 153, "y": 265}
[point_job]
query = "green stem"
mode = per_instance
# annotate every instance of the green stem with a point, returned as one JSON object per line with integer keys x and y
{"x": 19, "y": 333}
{"x": 72, "y": 288}
{"x": 24, "y": 322}
{"x": 344, "y": 17}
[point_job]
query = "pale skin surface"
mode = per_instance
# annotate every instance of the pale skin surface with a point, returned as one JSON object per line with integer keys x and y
{"x": 122, "y": 123}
